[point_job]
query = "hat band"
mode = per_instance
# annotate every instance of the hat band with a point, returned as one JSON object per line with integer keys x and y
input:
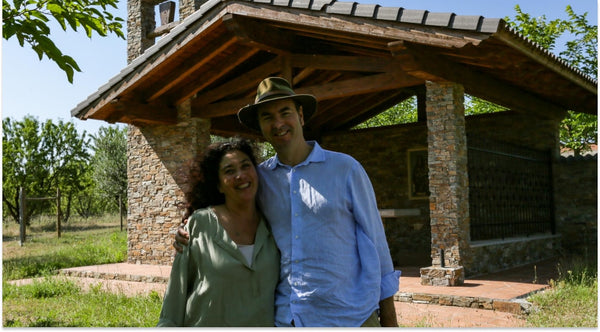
{"x": 272, "y": 95}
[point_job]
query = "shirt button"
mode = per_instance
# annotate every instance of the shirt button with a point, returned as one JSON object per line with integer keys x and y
{"x": 295, "y": 191}
{"x": 296, "y": 261}
{"x": 297, "y": 236}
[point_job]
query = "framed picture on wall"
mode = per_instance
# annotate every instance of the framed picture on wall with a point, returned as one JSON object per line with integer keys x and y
{"x": 418, "y": 174}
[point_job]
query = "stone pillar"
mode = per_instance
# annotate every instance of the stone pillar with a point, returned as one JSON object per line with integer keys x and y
{"x": 158, "y": 157}
{"x": 140, "y": 22}
{"x": 188, "y": 7}
{"x": 448, "y": 184}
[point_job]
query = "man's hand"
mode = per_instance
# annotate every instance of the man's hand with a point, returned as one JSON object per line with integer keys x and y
{"x": 182, "y": 238}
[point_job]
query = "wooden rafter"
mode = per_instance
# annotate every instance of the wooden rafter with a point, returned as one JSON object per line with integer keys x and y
{"x": 333, "y": 90}
{"x": 212, "y": 74}
{"x": 174, "y": 78}
{"x": 435, "y": 67}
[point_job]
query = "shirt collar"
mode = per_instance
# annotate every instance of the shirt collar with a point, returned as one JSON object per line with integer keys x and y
{"x": 316, "y": 155}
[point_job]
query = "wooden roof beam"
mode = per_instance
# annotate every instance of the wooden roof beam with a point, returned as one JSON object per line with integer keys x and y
{"x": 343, "y": 63}
{"x": 257, "y": 35}
{"x": 176, "y": 77}
{"x": 137, "y": 112}
{"x": 429, "y": 66}
{"x": 332, "y": 90}
{"x": 211, "y": 75}
{"x": 249, "y": 80}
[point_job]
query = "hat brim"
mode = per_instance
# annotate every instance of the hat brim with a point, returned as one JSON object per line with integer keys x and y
{"x": 248, "y": 117}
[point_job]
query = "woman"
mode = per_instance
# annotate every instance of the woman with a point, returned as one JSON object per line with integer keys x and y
{"x": 227, "y": 274}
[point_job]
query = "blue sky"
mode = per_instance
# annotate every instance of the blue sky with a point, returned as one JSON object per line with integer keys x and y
{"x": 41, "y": 89}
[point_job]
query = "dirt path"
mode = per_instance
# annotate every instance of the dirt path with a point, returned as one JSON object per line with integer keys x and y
{"x": 437, "y": 316}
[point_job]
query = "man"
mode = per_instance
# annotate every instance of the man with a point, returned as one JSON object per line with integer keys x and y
{"x": 336, "y": 268}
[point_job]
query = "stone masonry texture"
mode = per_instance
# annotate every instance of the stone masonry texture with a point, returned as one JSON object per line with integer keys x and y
{"x": 448, "y": 177}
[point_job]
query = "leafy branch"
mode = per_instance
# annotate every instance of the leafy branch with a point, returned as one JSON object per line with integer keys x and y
{"x": 27, "y": 20}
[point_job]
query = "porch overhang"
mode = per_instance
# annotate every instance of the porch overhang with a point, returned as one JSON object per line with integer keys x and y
{"x": 358, "y": 60}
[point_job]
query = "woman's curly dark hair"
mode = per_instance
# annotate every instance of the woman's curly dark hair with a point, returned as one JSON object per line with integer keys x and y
{"x": 205, "y": 186}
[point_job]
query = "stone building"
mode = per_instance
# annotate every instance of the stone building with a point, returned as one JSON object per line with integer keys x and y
{"x": 458, "y": 194}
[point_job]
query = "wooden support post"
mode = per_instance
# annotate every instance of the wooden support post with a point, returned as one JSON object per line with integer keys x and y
{"x": 58, "y": 212}
{"x": 22, "y": 217}
{"x": 121, "y": 211}
{"x": 421, "y": 106}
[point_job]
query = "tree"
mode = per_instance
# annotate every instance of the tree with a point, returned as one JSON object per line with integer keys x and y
{"x": 89, "y": 202}
{"x": 110, "y": 163}
{"x": 474, "y": 105}
{"x": 404, "y": 112}
{"x": 577, "y": 130}
{"x": 27, "y": 21}
{"x": 40, "y": 157}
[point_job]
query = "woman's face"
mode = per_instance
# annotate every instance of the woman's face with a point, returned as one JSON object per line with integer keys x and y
{"x": 238, "y": 179}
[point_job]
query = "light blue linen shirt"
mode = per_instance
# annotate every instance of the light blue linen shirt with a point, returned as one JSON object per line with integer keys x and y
{"x": 335, "y": 261}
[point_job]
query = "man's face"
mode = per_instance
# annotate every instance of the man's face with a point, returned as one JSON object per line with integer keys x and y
{"x": 280, "y": 122}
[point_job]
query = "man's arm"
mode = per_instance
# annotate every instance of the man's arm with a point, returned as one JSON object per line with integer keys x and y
{"x": 182, "y": 238}
{"x": 387, "y": 313}
{"x": 367, "y": 215}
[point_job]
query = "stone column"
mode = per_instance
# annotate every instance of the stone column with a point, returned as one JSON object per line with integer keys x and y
{"x": 188, "y": 7}
{"x": 448, "y": 184}
{"x": 157, "y": 171}
{"x": 157, "y": 156}
{"x": 140, "y": 22}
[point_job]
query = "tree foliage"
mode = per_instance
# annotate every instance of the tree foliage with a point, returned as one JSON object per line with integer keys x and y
{"x": 404, "y": 112}
{"x": 41, "y": 157}
{"x": 88, "y": 201}
{"x": 577, "y": 130}
{"x": 27, "y": 20}
{"x": 110, "y": 164}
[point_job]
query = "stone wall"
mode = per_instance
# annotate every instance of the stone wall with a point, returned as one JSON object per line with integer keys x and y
{"x": 158, "y": 157}
{"x": 498, "y": 255}
{"x": 516, "y": 128}
{"x": 576, "y": 193}
{"x": 383, "y": 153}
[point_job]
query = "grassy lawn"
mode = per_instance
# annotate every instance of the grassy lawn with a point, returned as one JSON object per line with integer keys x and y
{"x": 57, "y": 301}
{"x": 81, "y": 243}
{"x": 572, "y": 301}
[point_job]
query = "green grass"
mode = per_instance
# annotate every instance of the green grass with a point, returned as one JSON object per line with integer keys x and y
{"x": 54, "y": 301}
{"x": 572, "y": 300}
{"x": 58, "y": 302}
{"x": 43, "y": 253}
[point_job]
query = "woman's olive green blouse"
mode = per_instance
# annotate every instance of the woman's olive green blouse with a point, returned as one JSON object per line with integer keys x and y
{"x": 211, "y": 283}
